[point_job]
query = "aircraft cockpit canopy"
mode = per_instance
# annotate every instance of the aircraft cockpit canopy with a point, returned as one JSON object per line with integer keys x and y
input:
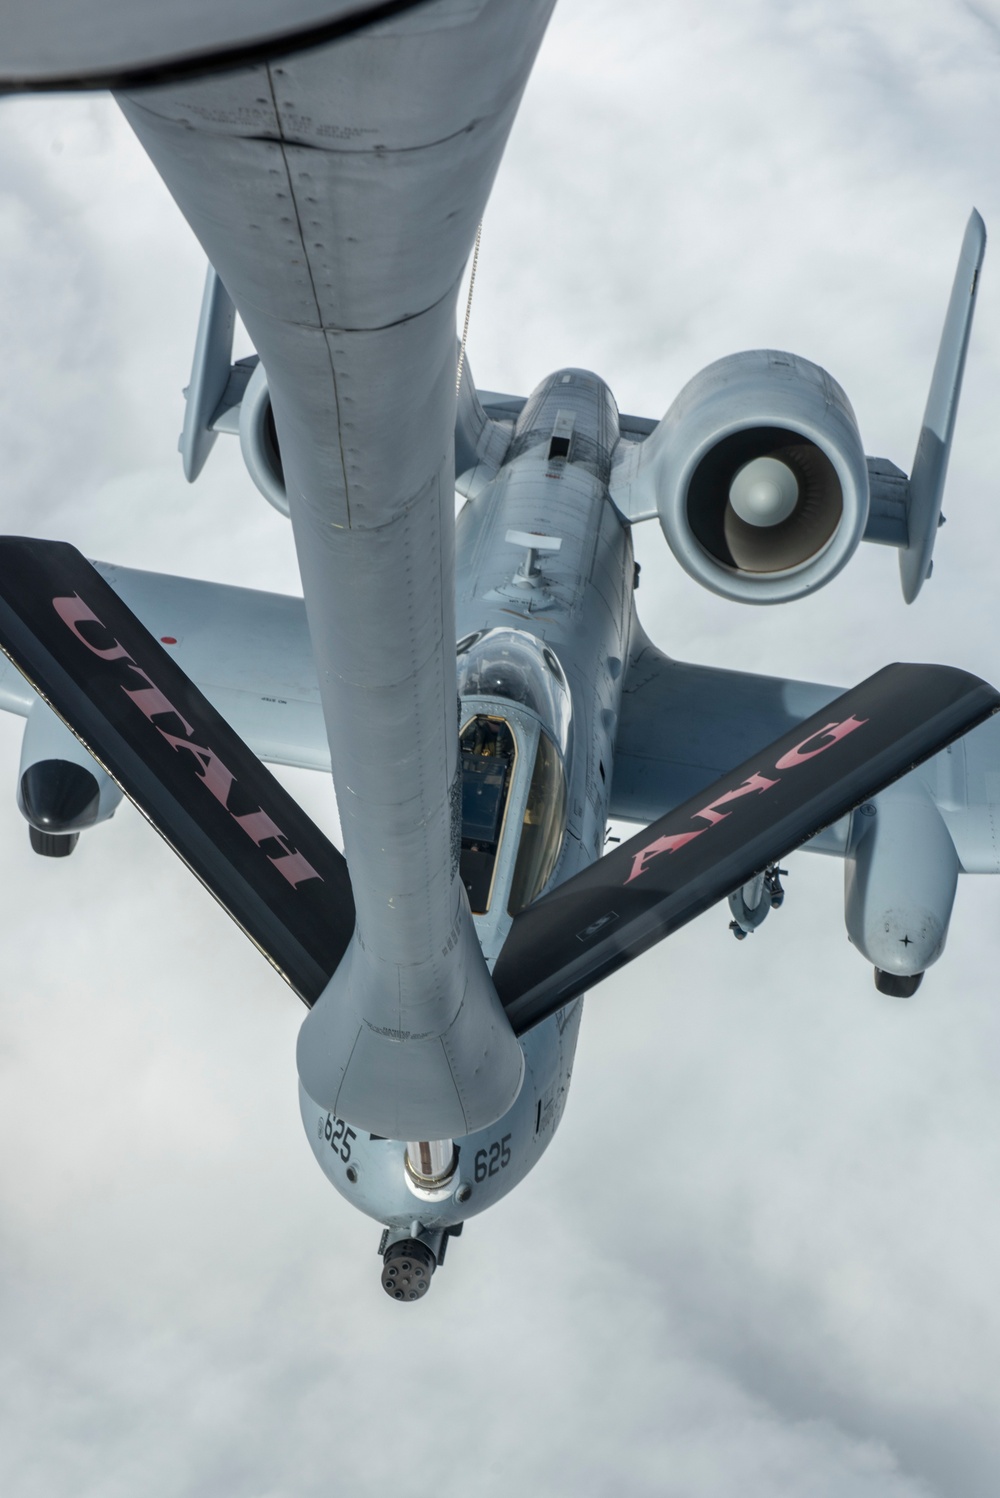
{"x": 542, "y": 828}
{"x": 514, "y": 665}
{"x": 488, "y": 758}
{"x": 512, "y": 766}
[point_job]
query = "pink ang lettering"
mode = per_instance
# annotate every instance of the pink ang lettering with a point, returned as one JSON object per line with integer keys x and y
{"x": 755, "y": 783}
{"x": 294, "y": 867}
{"x": 668, "y": 844}
{"x": 836, "y": 731}
{"x": 73, "y": 612}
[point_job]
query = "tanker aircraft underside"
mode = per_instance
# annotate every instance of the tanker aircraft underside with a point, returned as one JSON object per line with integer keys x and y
{"x": 335, "y": 173}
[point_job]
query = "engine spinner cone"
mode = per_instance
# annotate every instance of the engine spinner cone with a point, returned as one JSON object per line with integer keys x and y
{"x": 764, "y": 492}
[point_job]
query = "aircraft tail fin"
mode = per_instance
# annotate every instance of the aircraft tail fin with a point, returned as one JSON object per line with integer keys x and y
{"x": 751, "y": 818}
{"x": 177, "y": 759}
{"x": 930, "y": 462}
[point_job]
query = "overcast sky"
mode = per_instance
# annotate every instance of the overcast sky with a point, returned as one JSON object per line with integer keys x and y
{"x": 761, "y": 1257}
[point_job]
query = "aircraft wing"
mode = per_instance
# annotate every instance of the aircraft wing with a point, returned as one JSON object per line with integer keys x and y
{"x": 247, "y": 651}
{"x": 811, "y": 776}
{"x": 683, "y": 726}
{"x": 147, "y": 724}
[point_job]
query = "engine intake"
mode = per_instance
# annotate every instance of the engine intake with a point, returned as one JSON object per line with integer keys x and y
{"x": 759, "y": 477}
{"x": 760, "y": 501}
{"x": 259, "y": 442}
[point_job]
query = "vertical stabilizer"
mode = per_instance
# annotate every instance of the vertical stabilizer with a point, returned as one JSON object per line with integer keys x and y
{"x": 930, "y": 463}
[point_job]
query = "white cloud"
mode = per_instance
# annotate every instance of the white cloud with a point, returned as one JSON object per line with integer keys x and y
{"x": 761, "y": 1256}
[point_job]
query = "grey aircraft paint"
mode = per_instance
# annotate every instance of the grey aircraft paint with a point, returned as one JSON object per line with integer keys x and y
{"x": 339, "y": 217}
{"x": 550, "y": 646}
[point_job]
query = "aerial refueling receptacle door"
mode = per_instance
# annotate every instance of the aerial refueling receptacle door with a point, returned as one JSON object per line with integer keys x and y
{"x": 177, "y": 759}
{"x": 616, "y": 909}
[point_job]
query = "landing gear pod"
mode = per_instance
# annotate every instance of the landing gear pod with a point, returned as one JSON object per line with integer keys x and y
{"x": 759, "y": 477}
{"x": 899, "y": 885}
{"x": 896, "y": 985}
{"x": 61, "y": 789}
{"x": 59, "y": 800}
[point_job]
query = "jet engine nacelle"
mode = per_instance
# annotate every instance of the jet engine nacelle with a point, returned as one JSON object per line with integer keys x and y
{"x": 900, "y": 878}
{"x": 760, "y": 478}
{"x": 259, "y": 441}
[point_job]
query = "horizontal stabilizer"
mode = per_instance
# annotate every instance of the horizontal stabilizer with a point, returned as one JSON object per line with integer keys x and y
{"x": 177, "y": 759}
{"x": 210, "y": 374}
{"x": 752, "y": 817}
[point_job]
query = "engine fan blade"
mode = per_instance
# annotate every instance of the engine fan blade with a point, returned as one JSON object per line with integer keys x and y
{"x": 177, "y": 759}
{"x": 752, "y": 817}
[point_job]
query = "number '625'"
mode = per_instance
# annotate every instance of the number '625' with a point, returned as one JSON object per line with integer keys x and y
{"x": 496, "y": 1158}
{"x": 339, "y": 1137}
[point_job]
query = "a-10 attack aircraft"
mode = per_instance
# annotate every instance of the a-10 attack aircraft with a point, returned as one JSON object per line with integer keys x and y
{"x": 482, "y": 691}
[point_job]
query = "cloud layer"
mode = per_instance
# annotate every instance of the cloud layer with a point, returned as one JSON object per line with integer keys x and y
{"x": 760, "y": 1257}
